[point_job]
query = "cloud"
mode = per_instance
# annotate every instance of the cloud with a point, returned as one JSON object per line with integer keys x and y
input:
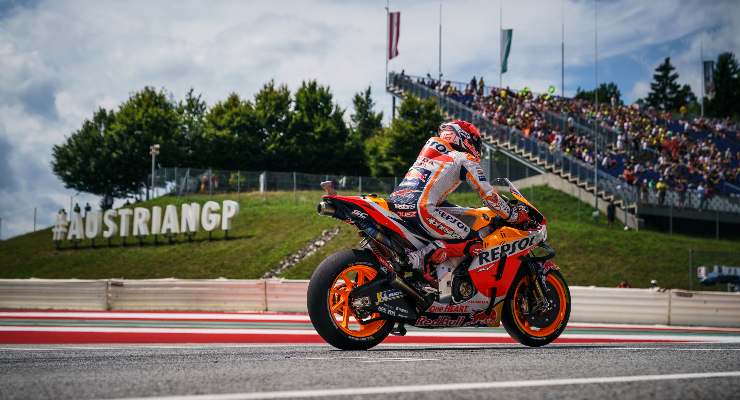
{"x": 7, "y": 176}
{"x": 640, "y": 89}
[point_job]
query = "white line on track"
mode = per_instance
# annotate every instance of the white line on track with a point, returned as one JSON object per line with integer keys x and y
{"x": 457, "y": 334}
{"x": 374, "y": 359}
{"x": 155, "y": 315}
{"x": 672, "y": 348}
{"x": 445, "y": 387}
{"x": 266, "y": 316}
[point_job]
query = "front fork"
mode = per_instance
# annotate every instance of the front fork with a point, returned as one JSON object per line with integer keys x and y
{"x": 537, "y": 275}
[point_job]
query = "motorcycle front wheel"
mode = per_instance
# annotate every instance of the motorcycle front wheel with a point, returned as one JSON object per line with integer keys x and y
{"x": 328, "y": 301}
{"x": 529, "y": 323}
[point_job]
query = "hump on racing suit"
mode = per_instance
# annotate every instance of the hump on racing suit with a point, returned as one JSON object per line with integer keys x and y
{"x": 438, "y": 171}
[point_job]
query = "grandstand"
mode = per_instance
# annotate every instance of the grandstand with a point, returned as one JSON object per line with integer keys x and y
{"x": 659, "y": 171}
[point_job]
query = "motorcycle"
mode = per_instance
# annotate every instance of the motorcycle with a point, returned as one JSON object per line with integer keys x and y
{"x": 357, "y": 297}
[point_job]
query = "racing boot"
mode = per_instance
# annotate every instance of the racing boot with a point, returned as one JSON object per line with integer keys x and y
{"x": 434, "y": 252}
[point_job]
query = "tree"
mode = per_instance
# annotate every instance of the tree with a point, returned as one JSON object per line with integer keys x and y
{"x": 192, "y": 129}
{"x": 365, "y": 122}
{"x": 726, "y": 97}
{"x": 320, "y": 136}
{"x": 83, "y": 161}
{"x": 233, "y": 135}
{"x": 148, "y": 117}
{"x": 606, "y": 92}
{"x": 665, "y": 92}
{"x": 272, "y": 110}
{"x": 393, "y": 150}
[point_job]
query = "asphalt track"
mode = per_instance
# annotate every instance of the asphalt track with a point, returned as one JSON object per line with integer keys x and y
{"x": 598, "y": 361}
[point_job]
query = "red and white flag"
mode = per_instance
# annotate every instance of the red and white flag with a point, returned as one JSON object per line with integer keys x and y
{"x": 394, "y": 27}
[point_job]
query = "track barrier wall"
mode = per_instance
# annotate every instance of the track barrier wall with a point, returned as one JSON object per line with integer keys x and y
{"x": 589, "y": 304}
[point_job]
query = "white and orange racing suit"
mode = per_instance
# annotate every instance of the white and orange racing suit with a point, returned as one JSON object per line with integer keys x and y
{"x": 437, "y": 172}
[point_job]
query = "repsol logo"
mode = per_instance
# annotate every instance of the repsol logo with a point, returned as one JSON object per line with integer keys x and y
{"x": 486, "y": 259}
{"x": 449, "y": 218}
{"x": 432, "y": 221}
{"x": 481, "y": 174}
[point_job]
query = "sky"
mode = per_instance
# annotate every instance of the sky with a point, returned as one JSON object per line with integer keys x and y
{"x": 61, "y": 60}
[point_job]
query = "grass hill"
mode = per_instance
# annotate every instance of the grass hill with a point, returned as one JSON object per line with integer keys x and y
{"x": 268, "y": 228}
{"x": 273, "y": 225}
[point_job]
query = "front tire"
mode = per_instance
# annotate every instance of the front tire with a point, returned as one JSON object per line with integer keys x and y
{"x": 528, "y": 326}
{"x": 328, "y": 306}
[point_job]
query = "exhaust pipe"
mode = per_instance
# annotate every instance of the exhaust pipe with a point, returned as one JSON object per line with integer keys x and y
{"x": 398, "y": 283}
{"x": 325, "y": 208}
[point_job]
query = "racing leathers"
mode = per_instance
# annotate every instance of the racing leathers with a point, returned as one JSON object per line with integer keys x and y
{"x": 437, "y": 172}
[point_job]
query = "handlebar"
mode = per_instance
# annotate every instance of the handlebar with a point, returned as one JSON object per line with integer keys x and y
{"x": 550, "y": 253}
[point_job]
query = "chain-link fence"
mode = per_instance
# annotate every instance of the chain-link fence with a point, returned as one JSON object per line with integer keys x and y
{"x": 183, "y": 181}
{"x": 725, "y": 262}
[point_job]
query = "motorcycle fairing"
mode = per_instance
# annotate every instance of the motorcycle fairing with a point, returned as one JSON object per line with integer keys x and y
{"x": 373, "y": 208}
{"x": 472, "y": 312}
{"x": 494, "y": 269}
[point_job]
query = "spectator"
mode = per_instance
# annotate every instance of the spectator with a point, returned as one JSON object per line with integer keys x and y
{"x": 77, "y": 208}
{"x": 649, "y": 144}
{"x": 681, "y": 190}
{"x": 644, "y": 191}
{"x": 88, "y": 208}
{"x": 611, "y": 212}
{"x": 661, "y": 187}
{"x": 701, "y": 193}
{"x": 624, "y": 284}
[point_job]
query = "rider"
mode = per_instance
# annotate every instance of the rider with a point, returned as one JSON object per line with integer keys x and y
{"x": 444, "y": 161}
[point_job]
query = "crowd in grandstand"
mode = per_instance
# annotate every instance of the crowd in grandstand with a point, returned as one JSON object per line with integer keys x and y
{"x": 652, "y": 151}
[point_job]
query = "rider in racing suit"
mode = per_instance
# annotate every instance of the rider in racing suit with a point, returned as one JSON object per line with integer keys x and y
{"x": 442, "y": 164}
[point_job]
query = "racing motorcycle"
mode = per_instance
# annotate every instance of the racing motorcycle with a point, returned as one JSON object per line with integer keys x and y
{"x": 357, "y": 297}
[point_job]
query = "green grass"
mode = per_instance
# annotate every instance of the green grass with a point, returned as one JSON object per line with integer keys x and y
{"x": 271, "y": 226}
{"x": 267, "y": 228}
{"x": 588, "y": 252}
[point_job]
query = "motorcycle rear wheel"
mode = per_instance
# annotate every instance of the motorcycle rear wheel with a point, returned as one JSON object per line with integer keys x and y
{"x": 527, "y": 326}
{"x": 328, "y": 306}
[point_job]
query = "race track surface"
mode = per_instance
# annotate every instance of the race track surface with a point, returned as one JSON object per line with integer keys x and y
{"x": 658, "y": 362}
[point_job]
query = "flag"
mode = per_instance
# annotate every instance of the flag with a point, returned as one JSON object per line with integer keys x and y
{"x": 506, "y": 35}
{"x": 394, "y": 26}
{"x": 709, "y": 78}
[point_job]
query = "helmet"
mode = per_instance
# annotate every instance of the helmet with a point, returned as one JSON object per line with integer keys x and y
{"x": 462, "y": 135}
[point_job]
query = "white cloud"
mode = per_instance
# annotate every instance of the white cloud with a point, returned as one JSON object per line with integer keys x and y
{"x": 640, "y": 89}
{"x": 60, "y": 60}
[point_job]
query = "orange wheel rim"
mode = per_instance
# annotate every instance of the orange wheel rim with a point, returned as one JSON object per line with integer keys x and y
{"x": 539, "y": 331}
{"x": 339, "y": 308}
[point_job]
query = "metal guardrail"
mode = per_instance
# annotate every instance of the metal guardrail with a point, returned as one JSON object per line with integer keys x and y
{"x": 589, "y": 304}
{"x": 179, "y": 294}
{"x": 57, "y": 294}
{"x": 611, "y": 305}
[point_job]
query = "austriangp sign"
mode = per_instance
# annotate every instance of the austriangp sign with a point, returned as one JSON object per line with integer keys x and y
{"x": 141, "y": 222}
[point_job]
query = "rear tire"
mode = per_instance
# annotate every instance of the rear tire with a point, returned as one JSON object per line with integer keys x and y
{"x": 520, "y": 326}
{"x": 328, "y": 289}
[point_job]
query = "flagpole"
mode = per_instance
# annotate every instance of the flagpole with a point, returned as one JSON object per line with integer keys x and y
{"x": 562, "y": 48}
{"x": 387, "y": 37}
{"x": 562, "y": 60}
{"x": 500, "y": 44}
{"x": 703, "y": 74}
{"x": 440, "y": 43}
{"x": 596, "y": 100}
